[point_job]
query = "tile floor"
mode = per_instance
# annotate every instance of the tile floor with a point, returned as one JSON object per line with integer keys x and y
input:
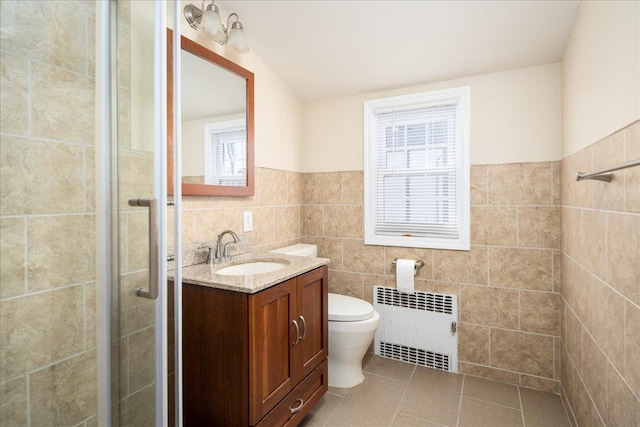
{"x": 399, "y": 394}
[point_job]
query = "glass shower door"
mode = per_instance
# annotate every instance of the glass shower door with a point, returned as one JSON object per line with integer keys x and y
{"x": 139, "y": 292}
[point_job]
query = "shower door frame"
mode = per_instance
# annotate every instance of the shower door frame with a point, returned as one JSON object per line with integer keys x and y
{"x": 107, "y": 208}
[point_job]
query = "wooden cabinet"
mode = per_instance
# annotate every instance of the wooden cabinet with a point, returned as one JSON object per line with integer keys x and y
{"x": 255, "y": 359}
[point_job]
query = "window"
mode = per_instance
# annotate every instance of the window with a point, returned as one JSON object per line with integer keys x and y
{"x": 417, "y": 170}
{"x": 225, "y": 156}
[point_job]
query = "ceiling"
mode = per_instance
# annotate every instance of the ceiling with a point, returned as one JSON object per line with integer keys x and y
{"x": 328, "y": 49}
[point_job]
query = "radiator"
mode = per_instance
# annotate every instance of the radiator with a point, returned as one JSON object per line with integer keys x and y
{"x": 418, "y": 328}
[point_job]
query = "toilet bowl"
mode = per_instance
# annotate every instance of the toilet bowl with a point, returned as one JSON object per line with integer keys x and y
{"x": 352, "y": 326}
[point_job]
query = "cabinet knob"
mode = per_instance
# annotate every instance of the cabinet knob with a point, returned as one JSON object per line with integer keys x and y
{"x": 295, "y": 409}
{"x": 297, "y": 340}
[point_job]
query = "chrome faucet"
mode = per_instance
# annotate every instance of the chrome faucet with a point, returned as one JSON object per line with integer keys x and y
{"x": 222, "y": 252}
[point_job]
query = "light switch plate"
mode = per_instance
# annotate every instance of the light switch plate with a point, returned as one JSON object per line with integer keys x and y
{"x": 247, "y": 221}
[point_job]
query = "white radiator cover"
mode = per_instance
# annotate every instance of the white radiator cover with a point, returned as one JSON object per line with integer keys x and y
{"x": 418, "y": 328}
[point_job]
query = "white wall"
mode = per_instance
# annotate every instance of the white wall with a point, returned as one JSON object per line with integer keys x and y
{"x": 193, "y": 147}
{"x": 532, "y": 114}
{"x": 600, "y": 73}
{"x": 515, "y": 117}
{"x": 278, "y": 111}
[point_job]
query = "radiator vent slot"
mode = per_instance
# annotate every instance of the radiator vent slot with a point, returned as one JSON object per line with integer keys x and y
{"x": 413, "y": 355}
{"x": 438, "y": 303}
{"x": 418, "y": 328}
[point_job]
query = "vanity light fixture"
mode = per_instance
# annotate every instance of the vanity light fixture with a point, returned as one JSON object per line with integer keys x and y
{"x": 209, "y": 24}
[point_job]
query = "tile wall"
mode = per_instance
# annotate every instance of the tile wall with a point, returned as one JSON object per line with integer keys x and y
{"x": 47, "y": 215}
{"x": 508, "y": 284}
{"x": 601, "y": 291}
{"x": 277, "y": 209}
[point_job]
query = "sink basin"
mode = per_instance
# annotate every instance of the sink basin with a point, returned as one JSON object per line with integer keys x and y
{"x": 253, "y": 267}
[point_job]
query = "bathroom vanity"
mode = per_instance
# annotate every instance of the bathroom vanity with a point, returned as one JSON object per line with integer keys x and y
{"x": 254, "y": 346}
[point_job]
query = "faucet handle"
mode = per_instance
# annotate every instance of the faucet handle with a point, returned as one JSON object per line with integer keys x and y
{"x": 225, "y": 250}
{"x": 210, "y": 249}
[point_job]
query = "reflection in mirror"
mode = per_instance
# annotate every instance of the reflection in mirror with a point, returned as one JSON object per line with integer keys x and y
{"x": 213, "y": 124}
{"x": 217, "y": 124}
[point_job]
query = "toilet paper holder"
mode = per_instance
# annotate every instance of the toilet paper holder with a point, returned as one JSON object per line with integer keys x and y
{"x": 418, "y": 266}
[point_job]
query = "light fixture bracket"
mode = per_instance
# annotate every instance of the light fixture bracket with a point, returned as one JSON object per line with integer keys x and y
{"x": 193, "y": 15}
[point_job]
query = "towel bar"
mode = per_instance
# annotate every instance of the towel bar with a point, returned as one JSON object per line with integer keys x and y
{"x": 605, "y": 174}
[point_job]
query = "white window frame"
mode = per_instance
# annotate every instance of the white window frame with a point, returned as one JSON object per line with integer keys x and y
{"x": 212, "y": 129}
{"x": 462, "y": 97}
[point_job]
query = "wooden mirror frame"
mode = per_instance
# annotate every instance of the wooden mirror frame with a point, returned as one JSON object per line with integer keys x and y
{"x": 222, "y": 62}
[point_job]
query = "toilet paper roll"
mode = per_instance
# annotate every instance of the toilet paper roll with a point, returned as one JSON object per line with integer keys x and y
{"x": 405, "y": 271}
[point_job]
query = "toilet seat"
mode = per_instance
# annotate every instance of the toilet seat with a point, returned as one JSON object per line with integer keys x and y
{"x": 343, "y": 308}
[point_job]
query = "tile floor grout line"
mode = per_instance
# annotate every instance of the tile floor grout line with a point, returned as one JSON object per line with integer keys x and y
{"x": 386, "y": 378}
{"x": 333, "y": 412}
{"x": 406, "y": 386}
{"x": 491, "y": 403}
{"x": 394, "y": 418}
{"x": 464, "y": 377}
{"x": 524, "y": 424}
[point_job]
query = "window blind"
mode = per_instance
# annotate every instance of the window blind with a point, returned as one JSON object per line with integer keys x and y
{"x": 226, "y": 157}
{"x": 416, "y": 171}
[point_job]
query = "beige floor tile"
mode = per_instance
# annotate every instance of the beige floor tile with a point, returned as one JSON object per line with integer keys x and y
{"x": 372, "y": 403}
{"x": 368, "y": 357}
{"x": 432, "y": 398}
{"x": 321, "y": 411}
{"x": 491, "y": 391}
{"x": 393, "y": 369}
{"x": 433, "y": 395}
{"x": 475, "y": 413}
{"x": 341, "y": 392}
{"x": 542, "y": 409}
{"x": 402, "y": 420}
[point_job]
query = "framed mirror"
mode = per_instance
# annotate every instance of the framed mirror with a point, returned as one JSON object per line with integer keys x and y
{"x": 217, "y": 123}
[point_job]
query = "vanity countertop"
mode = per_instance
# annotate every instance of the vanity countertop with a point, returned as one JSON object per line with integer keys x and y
{"x": 205, "y": 274}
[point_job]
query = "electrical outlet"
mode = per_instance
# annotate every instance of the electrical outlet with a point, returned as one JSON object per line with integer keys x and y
{"x": 247, "y": 221}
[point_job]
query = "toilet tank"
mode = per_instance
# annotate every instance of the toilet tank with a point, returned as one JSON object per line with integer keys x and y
{"x": 300, "y": 249}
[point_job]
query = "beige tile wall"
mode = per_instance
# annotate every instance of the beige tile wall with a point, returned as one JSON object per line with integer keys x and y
{"x": 277, "y": 209}
{"x": 601, "y": 290}
{"x": 508, "y": 283}
{"x": 47, "y": 216}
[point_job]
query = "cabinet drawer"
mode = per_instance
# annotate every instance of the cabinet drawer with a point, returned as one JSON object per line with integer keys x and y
{"x": 304, "y": 397}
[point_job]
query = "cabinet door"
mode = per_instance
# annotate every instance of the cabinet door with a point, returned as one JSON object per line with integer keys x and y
{"x": 215, "y": 357}
{"x": 312, "y": 303}
{"x": 271, "y": 332}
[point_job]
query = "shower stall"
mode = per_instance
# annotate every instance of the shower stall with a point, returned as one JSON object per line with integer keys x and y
{"x": 85, "y": 221}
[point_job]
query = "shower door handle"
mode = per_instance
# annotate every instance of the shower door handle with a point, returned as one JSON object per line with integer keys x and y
{"x": 152, "y": 291}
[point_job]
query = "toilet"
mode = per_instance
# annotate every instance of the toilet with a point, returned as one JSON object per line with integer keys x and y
{"x": 352, "y": 325}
